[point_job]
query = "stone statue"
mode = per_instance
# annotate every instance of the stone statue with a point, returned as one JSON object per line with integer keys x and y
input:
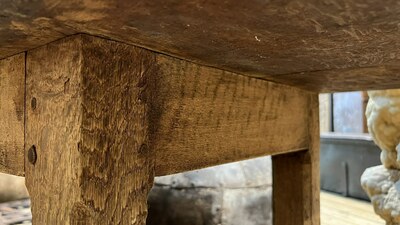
{"x": 381, "y": 183}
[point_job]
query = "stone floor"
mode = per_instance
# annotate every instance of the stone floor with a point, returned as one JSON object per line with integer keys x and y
{"x": 335, "y": 210}
{"x": 15, "y": 213}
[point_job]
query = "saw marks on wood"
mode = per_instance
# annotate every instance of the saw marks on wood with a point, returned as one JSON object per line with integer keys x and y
{"x": 205, "y": 116}
{"x": 12, "y": 96}
{"x": 333, "y": 45}
{"x": 200, "y": 116}
{"x": 90, "y": 129}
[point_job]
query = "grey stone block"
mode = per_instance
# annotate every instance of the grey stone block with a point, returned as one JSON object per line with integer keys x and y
{"x": 12, "y": 188}
{"x": 231, "y": 194}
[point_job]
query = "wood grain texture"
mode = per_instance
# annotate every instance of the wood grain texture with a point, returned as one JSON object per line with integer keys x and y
{"x": 296, "y": 180}
{"x": 369, "y": 78}
{"x": 90, "y": 129}
{"x": 299, "y": 42}
{"x": 12, "y": 97}
{"x": 202, "y": 116}
{"x": 205, "y": 116}
{"x": 314, "y": 177}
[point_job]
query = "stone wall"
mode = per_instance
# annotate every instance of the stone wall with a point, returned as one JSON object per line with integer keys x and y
{"x": 12, "y": 188}
{"x": 231, "y": 194}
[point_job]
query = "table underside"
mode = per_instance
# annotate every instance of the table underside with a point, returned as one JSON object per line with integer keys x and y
{"x": 324, "y": 46}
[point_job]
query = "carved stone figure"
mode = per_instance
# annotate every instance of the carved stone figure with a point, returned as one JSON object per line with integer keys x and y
{"x": 381, "y": 183}
{"x": 383, "y": 114}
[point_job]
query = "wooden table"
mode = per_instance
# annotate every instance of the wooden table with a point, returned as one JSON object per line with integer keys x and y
{"x": 99, "y": 96}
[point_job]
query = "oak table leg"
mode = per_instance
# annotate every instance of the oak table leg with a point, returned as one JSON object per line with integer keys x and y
{"x": 296, "y": 178}
{"x": 100, "y": 114}
{"x": 87, "y": 133}
{"x": 12, "y": 81}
